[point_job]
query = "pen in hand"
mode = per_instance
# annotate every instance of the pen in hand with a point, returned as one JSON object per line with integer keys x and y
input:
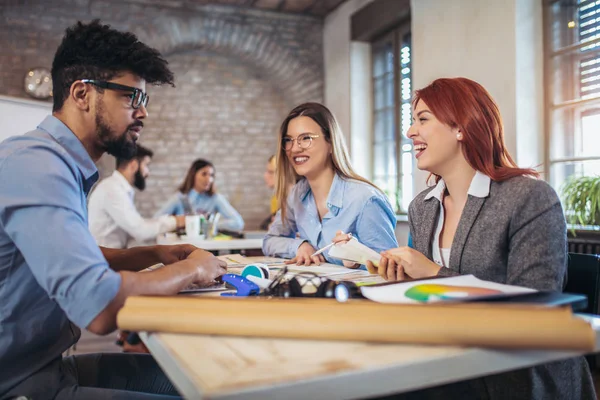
{"x": 329, "y": 245}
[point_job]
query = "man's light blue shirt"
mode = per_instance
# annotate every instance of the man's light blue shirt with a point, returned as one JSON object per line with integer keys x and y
{"x": 53, "y": 276}
{"x": 354, "y": 207}
{"x": 204, "y": 203}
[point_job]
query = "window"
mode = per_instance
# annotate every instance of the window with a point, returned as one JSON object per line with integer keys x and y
{"x": 573, "y": 82}
{"x": 393, "y": 161}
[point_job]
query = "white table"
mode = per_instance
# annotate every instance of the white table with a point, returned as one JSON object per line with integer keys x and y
{"x": 213, "y": 245}
{"x": 220, "y": 367}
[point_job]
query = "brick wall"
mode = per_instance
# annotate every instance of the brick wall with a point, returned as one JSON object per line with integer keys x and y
{"x": 238, "y": 72}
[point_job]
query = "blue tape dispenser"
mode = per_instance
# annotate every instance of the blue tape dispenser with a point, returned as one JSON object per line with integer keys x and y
{"x": 243, "y": 286}
{"x": 259, "y": 270}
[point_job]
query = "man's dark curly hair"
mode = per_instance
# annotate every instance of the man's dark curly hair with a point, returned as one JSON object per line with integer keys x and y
{"x": 95, "y": 51}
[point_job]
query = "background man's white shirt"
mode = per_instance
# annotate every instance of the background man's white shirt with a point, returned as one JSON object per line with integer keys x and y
{"x": 115, "y": 221}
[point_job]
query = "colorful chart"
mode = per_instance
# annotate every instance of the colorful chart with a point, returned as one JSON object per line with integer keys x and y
{"x": 433, "y": 292}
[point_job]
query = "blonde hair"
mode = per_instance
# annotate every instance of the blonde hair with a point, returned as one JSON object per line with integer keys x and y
{"x": 286, "y": 175}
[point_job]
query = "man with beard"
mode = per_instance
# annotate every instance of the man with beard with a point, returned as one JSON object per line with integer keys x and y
{"x": 54, "y": 278}
{"x": 114, "y": 220}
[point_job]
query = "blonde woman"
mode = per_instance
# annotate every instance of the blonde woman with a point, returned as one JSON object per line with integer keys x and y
{"x": 328, "y": 198}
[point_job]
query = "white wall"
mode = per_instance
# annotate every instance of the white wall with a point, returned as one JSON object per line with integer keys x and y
{"x": 18, "y": 116}
{"x": 338, "y": 59}
{"x": 496, "y": 43}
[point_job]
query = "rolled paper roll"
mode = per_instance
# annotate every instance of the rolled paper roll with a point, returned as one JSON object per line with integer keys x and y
{"x": 481, "y": 325}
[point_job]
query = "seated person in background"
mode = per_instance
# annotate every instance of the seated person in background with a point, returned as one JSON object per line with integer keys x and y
{"x": 54, "y": 279}
{"x": 270, "y": 181}
{"x": 114, "y": 219}
{"x": 329, "y": 197}
{"x": 197, "y": 195}
{"x": 486, "y": 217}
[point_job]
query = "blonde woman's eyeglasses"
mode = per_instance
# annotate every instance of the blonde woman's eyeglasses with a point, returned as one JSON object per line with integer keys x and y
{"x": 304, "y": 141}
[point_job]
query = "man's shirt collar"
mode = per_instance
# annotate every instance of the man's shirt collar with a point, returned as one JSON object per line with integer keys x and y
{"x": 71, "y": 143}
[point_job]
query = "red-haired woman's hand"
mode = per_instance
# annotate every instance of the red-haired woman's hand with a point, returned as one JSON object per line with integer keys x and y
{"x": 413, "y": 263}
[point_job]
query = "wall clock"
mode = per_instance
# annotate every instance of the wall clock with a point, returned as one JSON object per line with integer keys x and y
{"x": 38, "y": 83}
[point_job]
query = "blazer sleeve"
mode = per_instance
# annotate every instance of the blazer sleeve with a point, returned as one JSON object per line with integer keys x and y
{"x": 537, "y": 255}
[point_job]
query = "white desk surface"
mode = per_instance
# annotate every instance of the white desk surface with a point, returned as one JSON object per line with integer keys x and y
{"x": 221, "y": 367}
{"x": 214, "y": 245}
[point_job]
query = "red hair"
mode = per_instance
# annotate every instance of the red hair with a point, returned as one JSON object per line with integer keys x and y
{"x": 465, "y": 104}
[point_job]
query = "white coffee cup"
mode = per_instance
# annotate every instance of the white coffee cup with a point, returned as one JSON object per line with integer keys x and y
{"x": 192, "y": 225}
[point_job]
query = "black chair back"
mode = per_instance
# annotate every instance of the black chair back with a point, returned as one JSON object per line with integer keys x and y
{"x": 583, "y": 277}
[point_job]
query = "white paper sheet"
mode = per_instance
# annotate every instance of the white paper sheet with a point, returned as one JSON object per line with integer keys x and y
{"x": 354, "y": 251}
{"x": 441, "y": 290}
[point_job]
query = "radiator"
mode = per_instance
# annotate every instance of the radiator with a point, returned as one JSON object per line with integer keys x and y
{"x": 584, "y": 241}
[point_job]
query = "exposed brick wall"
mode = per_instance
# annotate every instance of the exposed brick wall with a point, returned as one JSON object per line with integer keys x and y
{"x": 238, "y": 72}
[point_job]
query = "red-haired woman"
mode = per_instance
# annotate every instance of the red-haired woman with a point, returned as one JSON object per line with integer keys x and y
{"x": 486, "y": 217}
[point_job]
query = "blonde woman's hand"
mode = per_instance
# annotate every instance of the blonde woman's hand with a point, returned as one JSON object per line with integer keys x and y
{"x": 340, "y": 238}
{"x": 304, "y": 256}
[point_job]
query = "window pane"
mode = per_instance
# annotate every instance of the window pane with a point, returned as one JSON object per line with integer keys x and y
{"x": 560, "y": 172}
{"x": 407, "y": 179}
{"x": 389, "y": 57}
{"x": 389, "y": 90}
{"x": 392, "y": 168}
{"x": 378, "y": 63}
{"x": 379, "y": 93}
{"x": 390, "y": 126}
{"x": 380, "y": 170}
{"x": 590, "y": 133}
{"x": 575, "y": 133}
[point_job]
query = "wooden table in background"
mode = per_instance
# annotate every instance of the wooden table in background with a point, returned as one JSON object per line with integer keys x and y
{"x": 214, "y": 245}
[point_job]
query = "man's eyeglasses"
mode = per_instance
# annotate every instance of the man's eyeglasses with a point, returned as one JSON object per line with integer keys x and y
{"x": 304, "y": 141}
{"x": 138, "y": 98}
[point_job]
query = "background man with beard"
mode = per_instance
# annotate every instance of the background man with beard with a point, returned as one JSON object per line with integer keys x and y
{"x": 114, "y": 220}
{"x": 54, "y": 278}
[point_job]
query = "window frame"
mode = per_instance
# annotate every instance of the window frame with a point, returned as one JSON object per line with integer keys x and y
{"x": 396, "y": 36}
{"x": 568, "y": 99}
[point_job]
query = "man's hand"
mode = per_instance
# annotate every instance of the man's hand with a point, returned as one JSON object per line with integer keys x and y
{"x": 208, "y": 267}
{"x": 303, "y": 256}
{"x": 173, "y": 253}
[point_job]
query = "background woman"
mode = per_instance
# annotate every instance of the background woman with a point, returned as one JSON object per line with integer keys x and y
{"x": 197, "y": 195}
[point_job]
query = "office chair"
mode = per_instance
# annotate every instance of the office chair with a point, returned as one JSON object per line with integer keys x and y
{"x": 583, "y": 277}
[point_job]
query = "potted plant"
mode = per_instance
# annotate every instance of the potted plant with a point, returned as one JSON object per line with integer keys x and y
{"x": 581, "y": 198}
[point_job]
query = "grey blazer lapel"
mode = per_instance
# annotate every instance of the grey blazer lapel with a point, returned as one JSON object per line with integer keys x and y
{"x": 467, "y": 219}
{"x": 427, "y": 224}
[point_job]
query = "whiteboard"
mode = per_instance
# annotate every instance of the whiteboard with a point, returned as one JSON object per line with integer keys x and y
{"x": 18, "y": 116}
